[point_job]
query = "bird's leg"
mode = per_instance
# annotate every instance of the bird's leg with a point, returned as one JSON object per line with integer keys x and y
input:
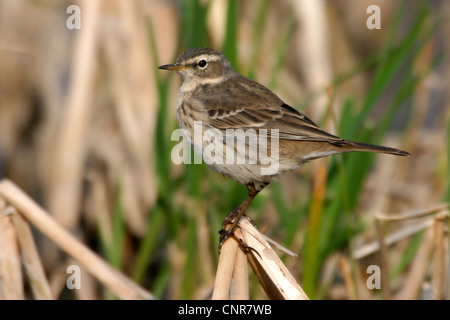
{"x": 235, "y": 216}
{"x": 230, "y": 217}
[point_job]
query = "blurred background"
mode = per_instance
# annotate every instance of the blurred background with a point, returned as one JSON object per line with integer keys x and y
{"x": 86, "y": 121}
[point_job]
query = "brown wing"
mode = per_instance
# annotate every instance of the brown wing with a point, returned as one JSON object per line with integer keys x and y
{"x": 247, "y": 104}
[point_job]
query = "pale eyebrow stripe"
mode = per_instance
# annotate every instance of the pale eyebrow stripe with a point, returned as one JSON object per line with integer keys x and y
{"x": 203, "y": 57}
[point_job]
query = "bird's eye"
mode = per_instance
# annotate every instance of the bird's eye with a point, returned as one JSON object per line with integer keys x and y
{"x": 202, "y": 64}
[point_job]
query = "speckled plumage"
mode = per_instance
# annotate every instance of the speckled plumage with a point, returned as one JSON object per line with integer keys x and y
{"x": 223, "y": 99}
{"x": 215, "y": 94}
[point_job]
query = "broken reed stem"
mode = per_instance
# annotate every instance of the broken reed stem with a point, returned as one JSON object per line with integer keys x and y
{"x": 275, "y": 278}
{"x": 438, "y": 275}
{"x": 117, "y": 282}
{"x": 232, "y": 271}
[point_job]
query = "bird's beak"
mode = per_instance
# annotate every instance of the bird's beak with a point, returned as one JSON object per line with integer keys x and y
{"x": 173, "y": 66}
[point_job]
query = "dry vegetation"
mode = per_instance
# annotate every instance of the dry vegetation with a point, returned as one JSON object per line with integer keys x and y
{"x": 85, "y": 125}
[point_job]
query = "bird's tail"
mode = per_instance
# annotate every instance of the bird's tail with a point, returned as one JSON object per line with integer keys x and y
{"x": 359, "y": 146}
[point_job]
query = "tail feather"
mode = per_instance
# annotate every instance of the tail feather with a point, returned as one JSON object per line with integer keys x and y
{"x": 359, "y": 146}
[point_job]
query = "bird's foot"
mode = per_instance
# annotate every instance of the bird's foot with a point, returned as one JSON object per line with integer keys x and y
{"x": 225, "y": 234}
{"x": 230, "y": 218}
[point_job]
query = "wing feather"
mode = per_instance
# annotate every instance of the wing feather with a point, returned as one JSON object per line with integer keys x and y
{"x": 260, "y": 109}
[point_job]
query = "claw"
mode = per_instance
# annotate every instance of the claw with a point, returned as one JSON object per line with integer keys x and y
{"x": 225, "y": 234}
{"x": 244, "y": 247}
{"x": 235, "y": 216}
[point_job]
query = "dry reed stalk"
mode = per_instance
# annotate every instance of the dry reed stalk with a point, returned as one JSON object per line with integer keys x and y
{"x": 140, "y": 61}
{"x": 347, "y": 275}
{"x": 275, "y": 278}
{"x": 87, "y": 284}
{"x": 363, "y": 292}
{"x": 384, "y": 261}
{"x": 163, "y": 19}
{"x": 239, "y": 289}
{"x": 371, "y": 247}
{"x": 413, "y": 214}
{"x": 438, "y": 280}
{"x": 216, "y": 20}
{"x": 58, "y": 278}
{"x": 10, "y": 268}
{"x": 30, "y": 259}
{"x": 420, "y": 104}
{"x": 98, "y": 207}
{"x": 355, "y": 284}
{"x": 232, "y": 272}
{"x": 316, "y": 62}
{"x": 419, "y": 267}
{"x": 379, "y": 197}
{"x": 134, "y": 89}
{"x": 203, "y": 242}
{"x": 68, "y": 156}
{"x": 225, "y": 269}
{"x": 115, "y": 281}
{"x": 329, "y": 269}
{"x": 131, "y": 198}
{"x": 384, "y": 265}
{"x": 355, "y": 280}
{"x": 177, "y": 261}
{"x": 403, "y": 233}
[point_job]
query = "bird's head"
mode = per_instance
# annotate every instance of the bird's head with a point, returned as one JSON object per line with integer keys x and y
{"x": 202, "y": 65}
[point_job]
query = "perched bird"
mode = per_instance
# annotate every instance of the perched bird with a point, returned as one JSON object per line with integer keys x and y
{"x": 228, "y": 107}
